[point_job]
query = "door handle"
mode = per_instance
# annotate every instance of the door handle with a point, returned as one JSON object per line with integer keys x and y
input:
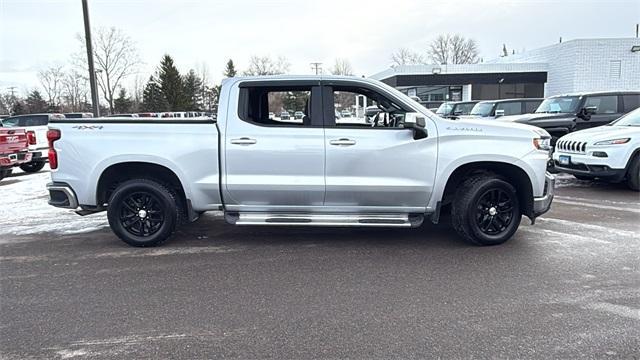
{"x": 342, "y": 142}
{"x": 243, "y": 141}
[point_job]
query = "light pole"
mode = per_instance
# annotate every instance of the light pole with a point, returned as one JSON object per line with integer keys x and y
{"x": 92, "y": 74}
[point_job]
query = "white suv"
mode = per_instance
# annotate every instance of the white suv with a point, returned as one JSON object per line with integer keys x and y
{"x": 610, "y": 152}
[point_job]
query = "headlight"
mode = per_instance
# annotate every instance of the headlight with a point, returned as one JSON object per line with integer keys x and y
{"x": 613, "y": 142}
{"x": 542, "y": 144}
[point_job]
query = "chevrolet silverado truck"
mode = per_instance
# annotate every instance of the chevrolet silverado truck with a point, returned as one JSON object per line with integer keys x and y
{"x": 389, "y": 171}
{"x": 14, "y": 149}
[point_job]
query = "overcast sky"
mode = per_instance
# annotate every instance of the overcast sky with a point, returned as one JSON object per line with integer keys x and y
{"x": 39, "y": 33}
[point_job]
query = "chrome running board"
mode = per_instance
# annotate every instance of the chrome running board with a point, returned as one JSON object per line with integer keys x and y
{"x": 282, "y": 219}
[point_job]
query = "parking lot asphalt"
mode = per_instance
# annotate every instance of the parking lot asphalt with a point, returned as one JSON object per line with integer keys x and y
{"x": 567, "y": 287}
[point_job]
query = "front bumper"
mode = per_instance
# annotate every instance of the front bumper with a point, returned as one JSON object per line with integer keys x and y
{"x": 62, "y": 195}
{"x": 542, "y": 204}
{"x": 595, "y": 171}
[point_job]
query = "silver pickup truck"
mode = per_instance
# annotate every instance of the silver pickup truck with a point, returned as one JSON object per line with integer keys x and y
{"x": 391, "y": 168}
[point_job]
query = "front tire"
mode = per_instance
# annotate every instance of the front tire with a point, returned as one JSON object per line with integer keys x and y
{"x": 633, "y": 175}
{"x": 33, "y": 166}
{"x": 486, "y": 210}
{"x": 144, "y": 212}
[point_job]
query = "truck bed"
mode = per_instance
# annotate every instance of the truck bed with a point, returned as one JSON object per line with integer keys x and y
{"x": 188, "y": 148}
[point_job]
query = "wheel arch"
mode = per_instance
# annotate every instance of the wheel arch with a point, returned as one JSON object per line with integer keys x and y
{"x": 119, "y": 172}
{"x": 513, "y": 174}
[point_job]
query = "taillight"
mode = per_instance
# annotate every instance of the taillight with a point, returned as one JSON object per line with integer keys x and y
{"x": 31, "y": 137}
{"x": 52, "y": 136}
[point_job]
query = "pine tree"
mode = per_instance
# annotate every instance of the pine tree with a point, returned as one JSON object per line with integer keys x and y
{"x": 230, "y": 70}
{"x": 153, "y": 99}
{"x": 18, "y": 108}
{"x": 122, "y": 104}
{"x": 192, "y": 93}
{"x": 35, "y": 103}
{"x": 171, "y": 84}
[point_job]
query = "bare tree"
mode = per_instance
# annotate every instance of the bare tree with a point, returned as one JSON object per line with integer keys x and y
{"x": 453, "y": 49}
{"x": 74, "y": 89}
{"x": 7, "y": 102}
{"x": 342, "y": 67}
{"x": 51, "y": 80}
{"x": 264, "y": 65}
{"x": 405, "y": 56}
{"x": 116, "y": 58}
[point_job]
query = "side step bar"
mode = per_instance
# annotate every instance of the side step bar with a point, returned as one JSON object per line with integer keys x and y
{"x": 280, "y": 219}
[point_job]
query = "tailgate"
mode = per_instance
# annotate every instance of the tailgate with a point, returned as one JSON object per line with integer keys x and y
{"x": 12, "y": 140}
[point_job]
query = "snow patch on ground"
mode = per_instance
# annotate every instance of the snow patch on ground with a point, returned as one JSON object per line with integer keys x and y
{"x": 24, "y": 209}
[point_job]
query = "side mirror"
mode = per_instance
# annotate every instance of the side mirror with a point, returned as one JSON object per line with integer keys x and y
{"x": 417, "y": 122}
{"x": 499, "y": 113}
{"x": 586, "y": 112}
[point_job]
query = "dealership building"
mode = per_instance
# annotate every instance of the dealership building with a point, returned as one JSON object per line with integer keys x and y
{"x": 567, "y": 67}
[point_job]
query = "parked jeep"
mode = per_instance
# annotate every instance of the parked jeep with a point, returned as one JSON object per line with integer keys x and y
{"x": 405, "y": 166}
{"x": 562, "y": 114}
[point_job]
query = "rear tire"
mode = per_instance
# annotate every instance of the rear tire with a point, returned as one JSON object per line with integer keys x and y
{"x": 486, "y": 210}
{"x": 144, "y": 212}
{"x": 633, "y": 175}
{"x": 5, "y": 172}
{"x": 33, "y": 166}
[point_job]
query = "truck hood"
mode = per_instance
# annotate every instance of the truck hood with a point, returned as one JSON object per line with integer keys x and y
{"x": 526, "y": 118}
{"x": 602, "y": 133}
{"x": 490, "y": 127}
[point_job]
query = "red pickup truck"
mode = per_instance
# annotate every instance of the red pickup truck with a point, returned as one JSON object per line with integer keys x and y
{"x": 14, "y": 149}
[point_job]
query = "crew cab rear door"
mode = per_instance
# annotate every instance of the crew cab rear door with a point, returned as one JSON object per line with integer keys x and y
{"x": 274, "y": 164}
{"x": 373, "y": 164}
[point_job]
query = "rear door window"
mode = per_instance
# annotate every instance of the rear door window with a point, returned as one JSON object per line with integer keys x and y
{"x": 631, "y": 102}
{"x": 280, "y": 105}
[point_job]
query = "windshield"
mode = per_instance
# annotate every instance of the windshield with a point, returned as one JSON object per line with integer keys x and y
{"x": 482, "y": 109}
{"x": 631, "y": 119}
{"x": 444, "y": 109}
{"x": 563, "y": 104}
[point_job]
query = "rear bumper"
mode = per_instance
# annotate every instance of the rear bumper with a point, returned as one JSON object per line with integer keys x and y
{"x": 38, "y": 156}
{"x": 15, "y": 159}
{"x": 62, "y": 195}
{"x": 542, "y": 204}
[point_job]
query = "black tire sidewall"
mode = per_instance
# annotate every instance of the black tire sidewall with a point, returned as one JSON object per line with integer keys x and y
{"x": 33, "y": 166}
{"x": 168, "y": 204}
{"x": 4, "y": 173}
{"x": 470, "y": 210}
{"x": 633, "y": 176}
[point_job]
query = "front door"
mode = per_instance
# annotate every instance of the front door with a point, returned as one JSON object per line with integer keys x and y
{"x": 373, "y": 164}
{"x": 272, "y": 161}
